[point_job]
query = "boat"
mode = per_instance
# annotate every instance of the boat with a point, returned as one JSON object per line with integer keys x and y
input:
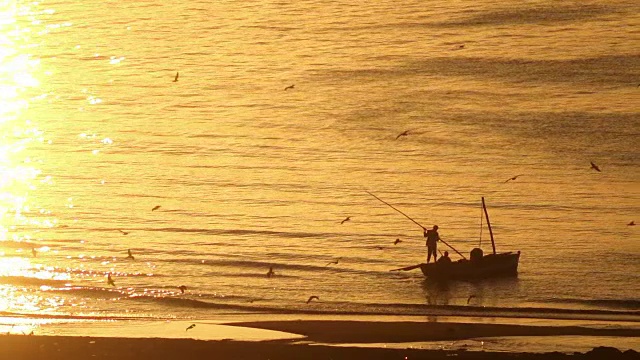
{"x": 478, "y": 266}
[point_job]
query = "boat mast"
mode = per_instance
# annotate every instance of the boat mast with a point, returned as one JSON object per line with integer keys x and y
{"x": 486, "y": 214}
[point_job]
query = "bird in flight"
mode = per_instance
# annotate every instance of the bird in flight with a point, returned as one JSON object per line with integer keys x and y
{"x": 190, "y": 327}
{"x": 155, "y": 208}
{"x": 335, "y": 262}
{"x": 182, "y": 288}
{"x": 130, "y": 256}
{"x": 632, "y": 223}
{"x": 513, "y": 178}
{"x": 110, "y": 280}
{"x": 397, "y": 242}
{"x": 176, "y": 78}
{"x": 290, "y": 87}
{"x": 312, "y": 297}
{"x": 124, "y": 232}
{"x": 404, "y": 133}
{"x": 469, "y": 299}
{"x": 345, "y": 220}
{"x": 595, "y": 167}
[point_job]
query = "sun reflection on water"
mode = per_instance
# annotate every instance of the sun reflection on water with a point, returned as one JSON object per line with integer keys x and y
{"x": 20, "y": 272}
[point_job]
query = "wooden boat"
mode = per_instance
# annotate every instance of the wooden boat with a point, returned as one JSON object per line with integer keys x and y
{"x": 478, "y": 266}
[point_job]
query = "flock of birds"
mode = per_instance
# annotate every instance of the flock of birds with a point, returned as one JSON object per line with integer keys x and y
{"x": 130, "y": 256}
{"x": 271, "y": 272}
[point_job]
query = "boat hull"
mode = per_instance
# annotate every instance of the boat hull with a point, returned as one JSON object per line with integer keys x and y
{"x": 488, "y": 266}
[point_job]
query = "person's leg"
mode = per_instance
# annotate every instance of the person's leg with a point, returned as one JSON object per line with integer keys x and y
{"x": 435, "y": 253}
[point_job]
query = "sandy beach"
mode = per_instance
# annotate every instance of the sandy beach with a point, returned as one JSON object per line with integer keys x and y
{"x": 323, "y": 339}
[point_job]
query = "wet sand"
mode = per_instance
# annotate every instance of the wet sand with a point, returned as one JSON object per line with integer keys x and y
{"x": 325, "y": 339}
{"x": 344, "y": 331}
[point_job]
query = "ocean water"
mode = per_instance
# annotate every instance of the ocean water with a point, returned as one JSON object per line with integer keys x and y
{"x": 95, "y": 133}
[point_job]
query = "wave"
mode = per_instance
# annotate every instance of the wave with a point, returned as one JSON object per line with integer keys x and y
{"x": 627, "y": 304}
{"x": 240, "y": 232}
{"x": 88, "y": 291}
{"x": 358, "y": 309}
{"x": 169, "y": 297}
{"x": 31, "y": 281}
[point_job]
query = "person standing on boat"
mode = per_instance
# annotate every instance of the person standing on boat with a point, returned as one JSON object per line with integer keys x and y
{"x": 432, "y": 237}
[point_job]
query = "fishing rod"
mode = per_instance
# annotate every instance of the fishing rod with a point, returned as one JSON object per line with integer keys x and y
{"x": 408, "y": 217}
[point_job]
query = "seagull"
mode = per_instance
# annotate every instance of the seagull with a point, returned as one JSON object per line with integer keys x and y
{"x": 155, "y": 208}
{"x": 335, "y": 262}
{"x": 191, "y": 327}
{"x": 397, "y": 242}
{"x": 182, "y": 288}
{"x": 312, "y": 297}
{"x": 124, "y": 232}
{"x": 595, "y": 167}
{"x": 176, "y": 78}
{"x": 469, "y": 299}
{"x": 345, "y": 220}
{"x": 110, "y": 280}
{"x": 289, "y": 87}
{"x": 130, "y": 256}
{"x": 513, "y": 178}
{"x": 631, "y": 223}
{"x": 404, "y": 133}
{"x": 270, "y": 273}
{"x": 34, "y": 252}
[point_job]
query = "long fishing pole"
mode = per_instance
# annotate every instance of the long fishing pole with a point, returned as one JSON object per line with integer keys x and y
{"x": 391, "y": 206}
{"x": 417, "y": 223}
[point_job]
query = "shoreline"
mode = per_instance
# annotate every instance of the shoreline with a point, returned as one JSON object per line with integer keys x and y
{"x": 319, "y": 338}
{"x": 70, "y": 347}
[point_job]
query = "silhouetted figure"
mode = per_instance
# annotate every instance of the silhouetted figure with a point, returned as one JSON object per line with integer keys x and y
{"x": 130, "y": 256}
{"x": 190, "y": 327}
{"x": 444, "y": 259}
{"x": 176, "y": 78}
{"x": 110, "y": 280}
{"x": 404, "y": 133}
{"x": 595, "y": 167}
{"x": 155, "y": 208}
{"x": 513, "y": 178}
{"x": 124, "y": 232}
{"x": 312, "y": 297}
{"x": 432, "y": 237}
{"x": 270, "y": 273}
{"x": 345, "y": 220}
{"x": 182, "y": 288}
{"x": 397, "y": 242}
{"x": 290, "y": 87}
